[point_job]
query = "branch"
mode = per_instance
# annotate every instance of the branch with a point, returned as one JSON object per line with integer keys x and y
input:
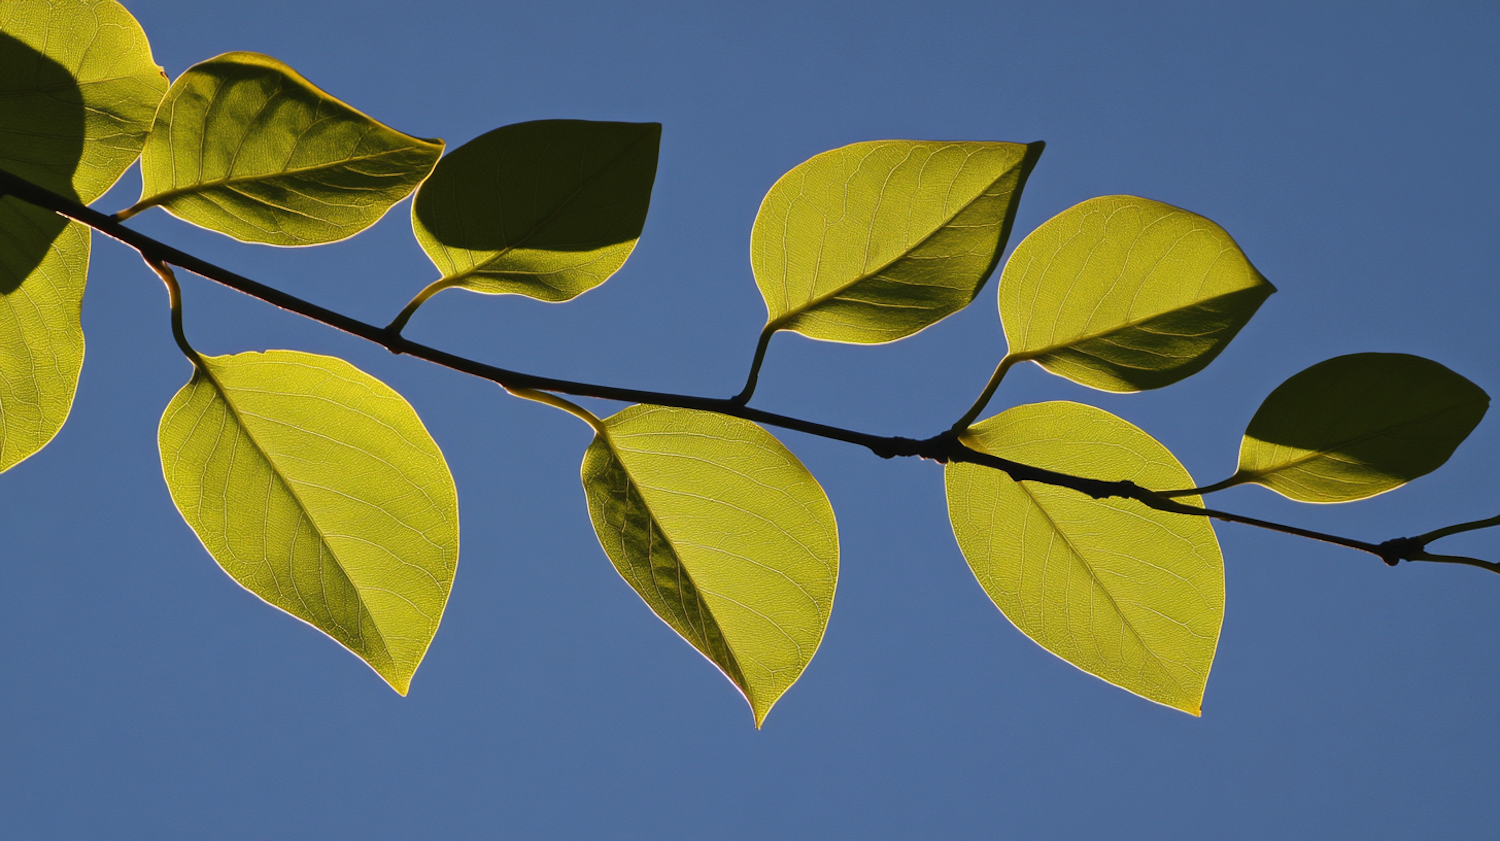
{"x": 943, "y": 448}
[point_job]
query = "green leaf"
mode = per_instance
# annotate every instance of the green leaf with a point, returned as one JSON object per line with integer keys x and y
{"x": 78, "y": 91}
{"x": 875, "y": 241}
{"x": 723, "y": 533}
{"x": 1355, "y": 426}
{"x": 1126, "y": 593}
{"x": 245, "y": 146}
{"x": 316, "y": 487}
{"x": 1125, "y": 294}
{"x": 44, "y": 261}
{"x": 547, "y": 209}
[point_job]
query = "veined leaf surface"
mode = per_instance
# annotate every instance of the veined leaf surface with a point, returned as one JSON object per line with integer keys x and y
{"x": 1124, "y": 294}
{"x": 44, "y": 261}
{"x": 1355, "y": 426}
{"x": 875, "y": 241}
{"x": 316, "y": 487}
{"x": 723, "y": 533}
{"x": 78, "y": 91}
{"x": 245, "y": 146}
{"x": 1126, "y": 593}
{"x": 547, "y": 209}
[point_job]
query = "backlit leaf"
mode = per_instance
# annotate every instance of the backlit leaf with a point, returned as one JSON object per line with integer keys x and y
{"x": 723, "y": 533}
{"x": 78, "y": 91}
{"x": 546, "y": 209}
{"x": 875, "y": 241}
{"x": 1355, "y": 426}
{"x": 245, "y": 146}
{"x": 1129, "y": 594}
{"x": 44, "y": 261}
{"x": 1125, "y": 294}
{"x": 317, "y": 488}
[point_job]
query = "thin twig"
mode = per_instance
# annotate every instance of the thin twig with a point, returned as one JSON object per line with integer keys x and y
{"x": 944, "y": 448}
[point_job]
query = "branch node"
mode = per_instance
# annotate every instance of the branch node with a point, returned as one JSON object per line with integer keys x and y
{"x": 1399, "y": 549}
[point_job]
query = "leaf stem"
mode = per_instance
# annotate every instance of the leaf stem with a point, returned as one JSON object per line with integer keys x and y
{"x": 399, "y": 323}
{"x": 760, "y": 356}
{"x": 556, "y": 402}
{"x": 989, "y": 391}
{"x": 945, "y": 447}
{"x": 174, "y": 300}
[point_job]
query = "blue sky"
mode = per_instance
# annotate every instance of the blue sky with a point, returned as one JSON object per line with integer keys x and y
{"x": 1349, "y": 149}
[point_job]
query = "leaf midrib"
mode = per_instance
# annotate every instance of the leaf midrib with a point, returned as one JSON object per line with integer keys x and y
{"x": 205, "y": 186}
{"x": 292, "y": 490}
{"x": 818, "y": 300}
{"x": 1253, "y": 475}
{"x": 1126, "y": 325}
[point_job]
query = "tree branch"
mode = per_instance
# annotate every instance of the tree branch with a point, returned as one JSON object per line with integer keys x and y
{"x": 944, "y": 447}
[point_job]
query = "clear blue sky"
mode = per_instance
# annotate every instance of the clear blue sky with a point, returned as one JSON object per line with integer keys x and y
{"x": 1349, "y": 148}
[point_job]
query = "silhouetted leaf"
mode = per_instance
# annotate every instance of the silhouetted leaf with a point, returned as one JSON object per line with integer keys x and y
{"x": 245, "y": 146}
{"x": 44, "y": 261}
{"x": 78, "y": 91}
{"x": 1355, "y": 426}
{"x": 875, "y": 241}
{"x": 1124, "y": 294}
{"x": 317, "y": 488}
{"x": 723, "y": 533}
{"x": 1129, "y": 594}
{"x": 546, "y": 209}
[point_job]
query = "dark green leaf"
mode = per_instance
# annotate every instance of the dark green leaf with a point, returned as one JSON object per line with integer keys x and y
{"x": 546, "y": 209}
{"x": 1355, "y": 426}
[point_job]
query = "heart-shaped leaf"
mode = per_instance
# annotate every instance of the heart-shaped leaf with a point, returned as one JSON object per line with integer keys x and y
{"x": 1355, "y": 426}
{"x": 875, "y": 241}
{"x": 1125, "y": 294}
{"x": 547, "y": 209}
{"x": 78, "y": 92}
{"x": 44, "y": 261}
{"x": 1126, "y": 593}
{"x": 245, "y": 146}
{"x": 723, "y": 533}
{"x": 317, "y": 488}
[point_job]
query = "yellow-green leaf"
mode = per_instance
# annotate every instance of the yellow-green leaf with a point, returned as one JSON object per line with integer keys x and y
{"x": 723, "y": 533}
{"x": 547, "y": 209}
{"x": 1125, "y": 294}
{"x": 316, "y": 487}
{"x": 245, "y": 146}
{"x": 875, "y": 241}
{"x": 1126, "y": 593}
{"x": 78, "y": 91}
{"x": 44, "y": 261}
{"x": 1355, "y": 426}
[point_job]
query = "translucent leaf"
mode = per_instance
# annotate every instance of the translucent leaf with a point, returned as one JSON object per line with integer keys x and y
{"x": 78, "y": 91}
{"x": 1126, "y": 593}
{"x": 1125, "y": 294}
{"x": 1355, "y": 426}
{"x": 245, "y": 146}
{"x": 726, "y": 536}
{"x": 317, "y": 488}
{"x": 546, "y": 209}
{"x": 875, "y": 241}
{"x": 44, "y": 262}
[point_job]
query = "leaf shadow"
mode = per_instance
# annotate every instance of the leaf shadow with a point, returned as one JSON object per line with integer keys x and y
{"x": 42, "y": 118}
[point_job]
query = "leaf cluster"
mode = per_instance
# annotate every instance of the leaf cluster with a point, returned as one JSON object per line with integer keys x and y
{"x": 317, "y": 487}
